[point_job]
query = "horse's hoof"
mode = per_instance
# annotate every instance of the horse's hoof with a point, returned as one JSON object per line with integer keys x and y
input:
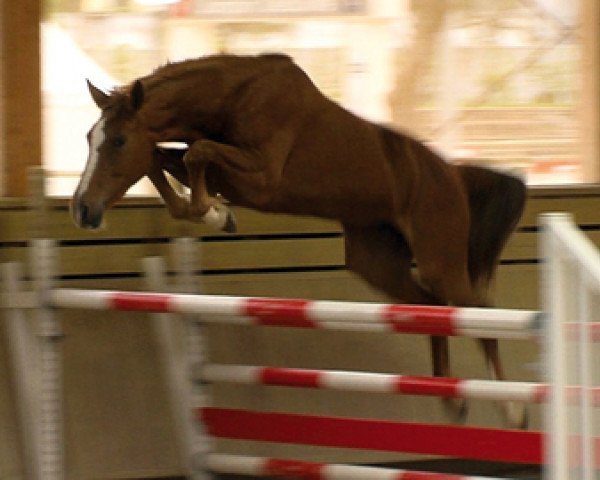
{"x": 220, "y": 218}
{"x": 456, "y": 409}
{"x": 230, "y": 223}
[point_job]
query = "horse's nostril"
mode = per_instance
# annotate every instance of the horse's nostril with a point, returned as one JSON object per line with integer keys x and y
{"x": 83, "y": 212}
{"x": 86, "y": 216}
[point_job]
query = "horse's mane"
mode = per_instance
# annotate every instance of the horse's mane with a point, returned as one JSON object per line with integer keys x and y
{"x": 181, "y": 69}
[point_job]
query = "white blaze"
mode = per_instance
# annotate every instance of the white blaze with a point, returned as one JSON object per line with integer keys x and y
{"x": 96, "y": 139}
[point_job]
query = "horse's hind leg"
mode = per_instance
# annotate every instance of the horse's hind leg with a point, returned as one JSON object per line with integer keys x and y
{"x": 515, "y": 412}
{"x": 441, "y": 251}
{"x": 439, "y": 238}
{"x": 382, "y": 257}
{"x": 496, "y": 202}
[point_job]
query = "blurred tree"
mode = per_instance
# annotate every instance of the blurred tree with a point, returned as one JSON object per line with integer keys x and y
{"x": 428, "y": 22}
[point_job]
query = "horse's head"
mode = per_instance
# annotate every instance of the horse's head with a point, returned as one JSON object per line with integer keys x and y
{"x": 120, "y": 154}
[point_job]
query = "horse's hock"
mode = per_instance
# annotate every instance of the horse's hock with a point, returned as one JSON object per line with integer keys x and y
{"x": 117, "y": 423}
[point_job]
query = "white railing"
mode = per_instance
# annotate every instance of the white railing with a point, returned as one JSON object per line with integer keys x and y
{"x": 571, "y": 294}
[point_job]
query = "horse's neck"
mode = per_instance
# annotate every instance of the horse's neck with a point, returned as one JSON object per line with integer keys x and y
{"x": 190, "y": 108}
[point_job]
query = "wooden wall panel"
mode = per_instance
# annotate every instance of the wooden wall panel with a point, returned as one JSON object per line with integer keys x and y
{"x": 147, "y": 220}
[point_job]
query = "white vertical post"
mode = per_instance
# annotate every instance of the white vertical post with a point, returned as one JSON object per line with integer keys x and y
{"x": 170, "y": 332}
{"x": 182, "y": 350}
{"x": 571, "y": 286}
{"x": 50, "y": 335}
{"x": 586, "y": 376}
{"x": 43, "y": 270}
{"x": 555, "y": 306}
{"x": 24, "y": 354}
{"x": 186, "y": 256}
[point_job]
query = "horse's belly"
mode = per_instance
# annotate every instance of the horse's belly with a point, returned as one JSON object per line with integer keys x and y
{"x": 330, "y": 188}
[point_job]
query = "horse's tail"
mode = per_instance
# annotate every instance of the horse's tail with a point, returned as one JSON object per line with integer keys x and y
{"x": 496, "y": 201}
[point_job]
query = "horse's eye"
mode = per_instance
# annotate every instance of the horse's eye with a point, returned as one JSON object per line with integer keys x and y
{"x": 119, "y": 141}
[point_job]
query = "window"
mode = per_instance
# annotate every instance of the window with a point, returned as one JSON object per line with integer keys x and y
{"x": 495, "y": 83}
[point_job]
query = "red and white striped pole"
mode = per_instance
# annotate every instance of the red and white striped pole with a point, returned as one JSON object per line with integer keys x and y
{"x": 368, "y": 382}
{"x": 376, "y": 383}
{"x": 429, "y": 320}
{"x": 279, "y": 468}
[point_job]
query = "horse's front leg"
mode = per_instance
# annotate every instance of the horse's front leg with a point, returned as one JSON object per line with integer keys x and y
{"x": 252, "y": 177}
{"x": 177, "y": 205}
{"x": 204, "y": 207}
{"x": 180, "y": 208}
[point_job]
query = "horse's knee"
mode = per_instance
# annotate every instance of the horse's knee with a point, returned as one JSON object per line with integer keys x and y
{"x": 198, "y": 152}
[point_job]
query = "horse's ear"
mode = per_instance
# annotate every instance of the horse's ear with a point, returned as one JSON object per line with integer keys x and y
{"x": 100, "y": 98}
{"x": 137, "y": 95}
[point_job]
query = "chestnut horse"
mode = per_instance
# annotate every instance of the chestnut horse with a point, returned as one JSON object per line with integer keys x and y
{"x": 263, "y": 136}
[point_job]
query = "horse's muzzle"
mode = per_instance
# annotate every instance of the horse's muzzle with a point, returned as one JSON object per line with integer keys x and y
{"x": 85, "y": 215}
